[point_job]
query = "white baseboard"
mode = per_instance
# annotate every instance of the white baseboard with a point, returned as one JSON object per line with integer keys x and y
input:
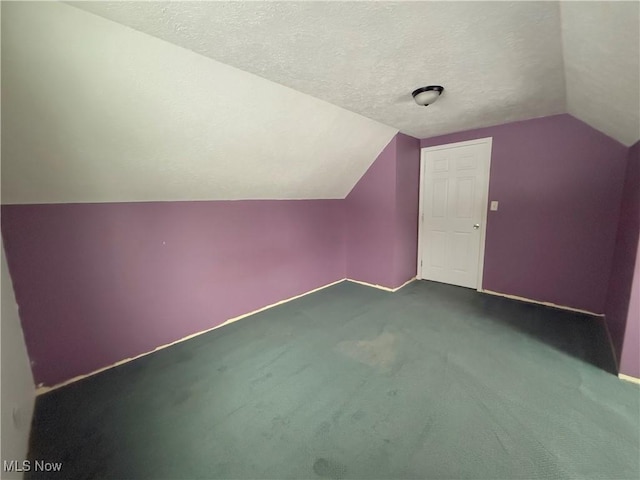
{"x": 547, "y": 304}
{"x": 44, "y": 389}
{"x": 381, "y": 287}
{"x": 40, "y": 389}
{"x": 629, "y": 378}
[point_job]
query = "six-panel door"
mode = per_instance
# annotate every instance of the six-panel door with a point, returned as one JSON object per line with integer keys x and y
{"x": 454, "y": 195}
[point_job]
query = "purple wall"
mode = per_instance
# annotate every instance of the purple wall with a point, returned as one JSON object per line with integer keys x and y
{"x": 621, "y": 317}
{"x": 559, "y": 184}
{"x": 382, "y": 217}
{"x": 630, "y": 361}
{"x": 370, "y": 221}
{"x": 98, "y": 283}
{"x": 407, "y": 200}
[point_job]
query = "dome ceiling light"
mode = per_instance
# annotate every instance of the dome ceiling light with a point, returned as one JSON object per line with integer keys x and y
{"x": 427, "y": 95}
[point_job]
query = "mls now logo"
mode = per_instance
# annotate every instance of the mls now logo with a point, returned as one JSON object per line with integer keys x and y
{"x": 27, "y": 466}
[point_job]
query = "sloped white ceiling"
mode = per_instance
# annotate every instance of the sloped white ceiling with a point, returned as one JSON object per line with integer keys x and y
{"x": 93, "y": 111}
{"x": 498, "y": 61}
{"x": 602, "y": 62}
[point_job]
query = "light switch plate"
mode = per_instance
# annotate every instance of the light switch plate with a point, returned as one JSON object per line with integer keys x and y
{"x": 494, "y": 205}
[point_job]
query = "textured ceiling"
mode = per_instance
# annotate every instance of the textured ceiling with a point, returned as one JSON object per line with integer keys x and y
{"x": 602, "y": 61}
{"x": 499, "y": 61}
{"x": 93, "y": 112}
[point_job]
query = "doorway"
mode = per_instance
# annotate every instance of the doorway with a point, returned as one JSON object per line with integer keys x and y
{"x": 454, "y": 197}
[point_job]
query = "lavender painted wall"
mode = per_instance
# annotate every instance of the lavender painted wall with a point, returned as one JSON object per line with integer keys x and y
{"x": 98, "y": 283}
{"x": 625, "y": 252}
{"x": 559, "y": 184}
{"x": 117, "y": 280}
{"x": 382, "y": 216}
{"x": 407, "y": 200}
{"x": 370, "y": 221}
{"x": 630, "y": 358}
{"x": 622, "y": 313}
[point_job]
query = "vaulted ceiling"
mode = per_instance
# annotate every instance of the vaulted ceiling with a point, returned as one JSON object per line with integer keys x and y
{"x": 231, "y": 100}
{"x": 601, "y": 46}
{"x": 96, "y": 112}
{"x": 499, "y": 61}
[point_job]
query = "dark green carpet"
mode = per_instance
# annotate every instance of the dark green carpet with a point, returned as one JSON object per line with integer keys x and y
{"x": 433, "y": 381}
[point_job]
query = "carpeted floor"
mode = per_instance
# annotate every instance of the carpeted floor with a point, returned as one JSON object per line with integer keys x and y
{"x": 432, "y": 381}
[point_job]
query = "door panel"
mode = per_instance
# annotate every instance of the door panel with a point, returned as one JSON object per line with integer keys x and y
{"x": 454, "y": 199}
{"x": 440, "y": 198}
{"x": 464, "y": 197}
{"x": 439, "y": 248}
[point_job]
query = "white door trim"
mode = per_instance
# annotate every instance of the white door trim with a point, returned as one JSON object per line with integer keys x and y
{"x": 483, "y": 234}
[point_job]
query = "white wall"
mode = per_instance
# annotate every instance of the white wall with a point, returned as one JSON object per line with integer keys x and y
{"x": 17, "y": 389}
{"x": 93, "y": 111}
{"x": 17, "y": 392}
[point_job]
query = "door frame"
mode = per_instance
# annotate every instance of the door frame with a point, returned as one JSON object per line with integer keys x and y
{"x": 488, "y": 142}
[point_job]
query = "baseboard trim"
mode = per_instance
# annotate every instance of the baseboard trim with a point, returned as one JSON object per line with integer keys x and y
{"x": 546, "y": 304}
{"x": 629, "y": 378}
{"x": 380, "y": 287}
{"x": 41, "y": 389}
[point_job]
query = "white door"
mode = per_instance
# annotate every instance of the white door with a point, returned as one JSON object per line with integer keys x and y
{"x": 453, "y": 207}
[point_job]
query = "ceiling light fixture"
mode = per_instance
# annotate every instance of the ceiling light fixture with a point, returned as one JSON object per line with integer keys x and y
{"x": 427, "y": 95}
